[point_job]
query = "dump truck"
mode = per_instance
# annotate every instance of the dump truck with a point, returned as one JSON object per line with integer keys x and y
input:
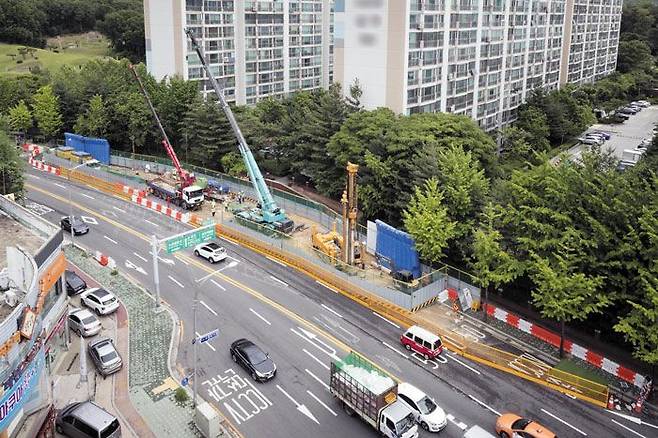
{"x": 189, "y": 198}
{"x": 369, "y": 392}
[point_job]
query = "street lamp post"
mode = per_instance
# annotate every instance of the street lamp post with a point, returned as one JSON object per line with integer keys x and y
{"x": 71, "y": 202}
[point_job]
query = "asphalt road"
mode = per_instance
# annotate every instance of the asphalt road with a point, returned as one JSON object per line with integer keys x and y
{"x": 302, "y": 325}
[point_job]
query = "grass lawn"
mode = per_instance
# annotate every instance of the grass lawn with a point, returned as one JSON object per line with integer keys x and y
{"x": 572, "y": 367}
{"x": 73, "y": 50}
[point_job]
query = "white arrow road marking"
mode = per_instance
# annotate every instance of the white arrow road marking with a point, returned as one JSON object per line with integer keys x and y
{"x": 627, "y": 428}
{"x": 87, "y": 196}
{"x": 208, "y": 307}
{"x": 421, "y": 359}
{"x": 152, "y": 223}
{"x": 564, "y": 422}
{"x": 131, "y": 265}
{"x": 315, "y": 340}
{"x": 390, "y": 322}
{"x": 279, "y": 281}
{"x": 317, "y": 378}
{"x": 320, "y": 401}
{"x": 300, "y": 407}
{"x": 175, "y": 281}
{"x": 316, "y": 359}
{"x": 111, "y": 240}
{"x": 89, "y": 220}
{"x": 260, "y": 316}
{"x": 217, "y": 284}
{"x": 329, "y": 309}
{"x": 394, "y": 349}
{"x": 166, "y": 261}
{"x": 462, "y": 363}
{"x": 481, "y": 403}
{"x": 634, "y": 419}
{"x": 140, "y": 257}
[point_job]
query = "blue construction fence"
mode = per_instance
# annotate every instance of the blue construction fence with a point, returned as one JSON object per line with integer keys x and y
{"x": 99, "y": 148}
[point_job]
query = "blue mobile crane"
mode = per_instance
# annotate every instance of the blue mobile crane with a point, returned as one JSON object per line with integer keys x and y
{"x": 267, "y": 212}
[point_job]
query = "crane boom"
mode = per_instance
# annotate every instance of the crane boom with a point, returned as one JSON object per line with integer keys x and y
{"x": 185, "y": 177}
{"x": 270, "y": 211}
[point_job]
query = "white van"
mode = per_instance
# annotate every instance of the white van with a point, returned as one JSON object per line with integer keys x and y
{"x": 478, "y": 432}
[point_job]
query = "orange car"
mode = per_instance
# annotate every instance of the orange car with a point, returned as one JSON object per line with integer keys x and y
{"x": 513, "y": 426}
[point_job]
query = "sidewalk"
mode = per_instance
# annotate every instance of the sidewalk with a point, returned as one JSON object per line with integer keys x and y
{"x": 142, "y": 394}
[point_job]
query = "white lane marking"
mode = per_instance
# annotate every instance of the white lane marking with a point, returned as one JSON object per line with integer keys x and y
{"x": 131, "y": 265}
{"x": 87, "y": 196}
{"x": 119, "y": 209}
{"x": 484, "y": 405}
{"x": 390, "y": 322}
{"x": 206, "y": 343}
{"x": 33, "y": 176}
{"x": 169, "y": 262}
{"x": 564, "y": 422}
{"x": 89, "y": 220}
{"x": 315, "y": 358}
{"x": 349, "y": 333}
{"x": 300, "y": 407}
{"x": 208, "y": 307}
{"x": 279, "y": 281}
{"x": 218, "y": 285}
{"x": 260, "y": 316}
{"x": 139, "y": 256}
{"x": 462, "y": 363}
{"x": 315, "y": 340}
{"x": 462, "y": 426}
{"x": 111, "y": 240}
{"x": 627, "y": 428}
{"x": 318, "y": 379}
{"x": 394, "y": 349}
{"x": 633, "y": 419}
{"x": 182, "y": 261}
{"x": 329, "y": 309}
{"x": 322, "y": 403}
{"x": 328, "y": 287}
{"x": 276, "y": 261}
{"x": 175, "y": 281}
{"x": 60, "y": 185}
{"x": 152, "y": 223}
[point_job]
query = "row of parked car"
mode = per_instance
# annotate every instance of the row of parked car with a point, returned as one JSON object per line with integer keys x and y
{"x": 596, "y": 138}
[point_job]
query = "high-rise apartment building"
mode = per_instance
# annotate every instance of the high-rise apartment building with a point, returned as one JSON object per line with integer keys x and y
{"x": 258, "y": 48}
{"x": 480, "y": 58}
{"x": 591, "y": 38}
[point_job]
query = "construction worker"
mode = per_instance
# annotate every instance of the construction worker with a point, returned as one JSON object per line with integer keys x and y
{"x": 212, "y": 208}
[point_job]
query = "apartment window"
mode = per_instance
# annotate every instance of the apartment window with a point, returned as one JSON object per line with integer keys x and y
{"x": 193, "y": 5}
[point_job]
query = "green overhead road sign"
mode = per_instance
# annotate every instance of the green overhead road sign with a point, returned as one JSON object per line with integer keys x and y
{"x": 190, "y": 238}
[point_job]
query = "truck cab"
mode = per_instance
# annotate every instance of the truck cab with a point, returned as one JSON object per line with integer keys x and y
{"x": 193, "y": 196}
{"x": 397, "y": 421}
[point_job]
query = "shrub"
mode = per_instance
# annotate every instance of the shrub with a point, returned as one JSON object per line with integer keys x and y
{"x": 181, "y": 395}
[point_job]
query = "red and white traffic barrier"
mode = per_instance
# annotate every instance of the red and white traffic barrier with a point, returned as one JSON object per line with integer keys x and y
{"x": 40, "y": 165}
{"x": 130, "y": 192}
{"x": 105, "y": 260}
{"x": 571, "y": 347}
{"x": 160, "y": 208}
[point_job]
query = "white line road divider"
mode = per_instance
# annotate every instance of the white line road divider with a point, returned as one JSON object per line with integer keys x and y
{"x": 60, "y": 185}
{"x": 627, "y": 428}
{"x": 329, "y": 309}
{"x": 462, "y": 363}
{"x": 119, "y": 209}
{"x": 140, "y": 257}
{"x": 111, "y": 240}
{"x": 300, "y": 407}
{"x": 208, "y": 307}
{"x": 481, "y": 403}
{"x": 316, "y": 359}
{"x": 322, "y": 403}
{"x": 276, "y": 261}
{"x": 175, "y": 281}
{"x": 260, "y": 316}
{"x": 152, "y": 223}
{"x": 131, "y": 265}
{"x": 87, "y": 196}
{"x": 317, "y": 378}
{"x": 328, "y": 287}
{"x": 218, "y": 285}
{"x": 390, "y": 322}
{"x": 279, "y": 281}
{"x": 564, "y": 422}
{"x": 395, "y": 349}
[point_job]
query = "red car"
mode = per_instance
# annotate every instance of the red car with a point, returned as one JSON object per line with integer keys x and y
{"x": 422, "y": 341}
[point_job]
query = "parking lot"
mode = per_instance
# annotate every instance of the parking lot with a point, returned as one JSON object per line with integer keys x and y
{"x": 627, "y": 135}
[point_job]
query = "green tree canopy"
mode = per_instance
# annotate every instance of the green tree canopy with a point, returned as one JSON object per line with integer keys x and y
{"x": 46, "y": 112}
{"x": 11, "y": 168}
{"x": 95, "y": 119}
{"x": 634, "y": 55}
{"x": 20, "y": 117}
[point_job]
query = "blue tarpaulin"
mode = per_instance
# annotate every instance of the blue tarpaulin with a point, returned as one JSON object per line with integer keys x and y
{"x": 216, "y": 185}
{"x": 99, "y": 148}
{"x": 396, "y": 250}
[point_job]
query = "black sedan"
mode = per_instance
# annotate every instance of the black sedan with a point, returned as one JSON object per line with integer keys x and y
{"x": 79, "y": 227}
{"x": 74, "y": 284}
{"x": 253, "y": 359}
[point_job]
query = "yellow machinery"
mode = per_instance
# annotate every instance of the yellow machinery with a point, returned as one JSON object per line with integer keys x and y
{"x": 331, "y": 243}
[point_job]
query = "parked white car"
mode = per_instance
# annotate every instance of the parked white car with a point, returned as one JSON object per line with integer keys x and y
{"x": 642, "y": 103}
{"x": 100, "y": 301}
{"x": 427, "y": 413}
{"x": 591, "y": 141}
{"x": 83, "y": 322}
{"x": 211, "y": 252}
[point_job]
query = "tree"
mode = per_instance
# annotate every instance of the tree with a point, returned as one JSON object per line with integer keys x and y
{"x": 136, "y": 118}
{"x": 426, "y": 219}
{"x": 354, "y": 99}
{"x": 533, "y": 121}
{"x": 20, "y": 117}
{"x": 634, "y": 55}
{"x": 125, "y": 29}
{"x": 46, "y": 112}
{"x": 95, "y": 119}
{"x": 208, "y": 132}
{"x": 562, "y": 293}
{"x": 515, "y": 145}
{"x": 492, "y": 265}
{"x": 11, "y": 168}
{"x": 233, "y": 164}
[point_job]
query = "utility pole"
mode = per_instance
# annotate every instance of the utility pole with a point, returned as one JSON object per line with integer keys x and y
{"x": 156, "y": 276}
{"x": 194, "y": 383}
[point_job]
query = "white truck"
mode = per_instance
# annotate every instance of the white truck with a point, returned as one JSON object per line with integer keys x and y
{"x": 189, "y": 198}
{"x": 369, "y": 392}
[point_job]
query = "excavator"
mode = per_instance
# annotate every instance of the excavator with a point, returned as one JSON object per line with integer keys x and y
{"x": 266, "y": 213}
{"x": 183, "y": 192}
